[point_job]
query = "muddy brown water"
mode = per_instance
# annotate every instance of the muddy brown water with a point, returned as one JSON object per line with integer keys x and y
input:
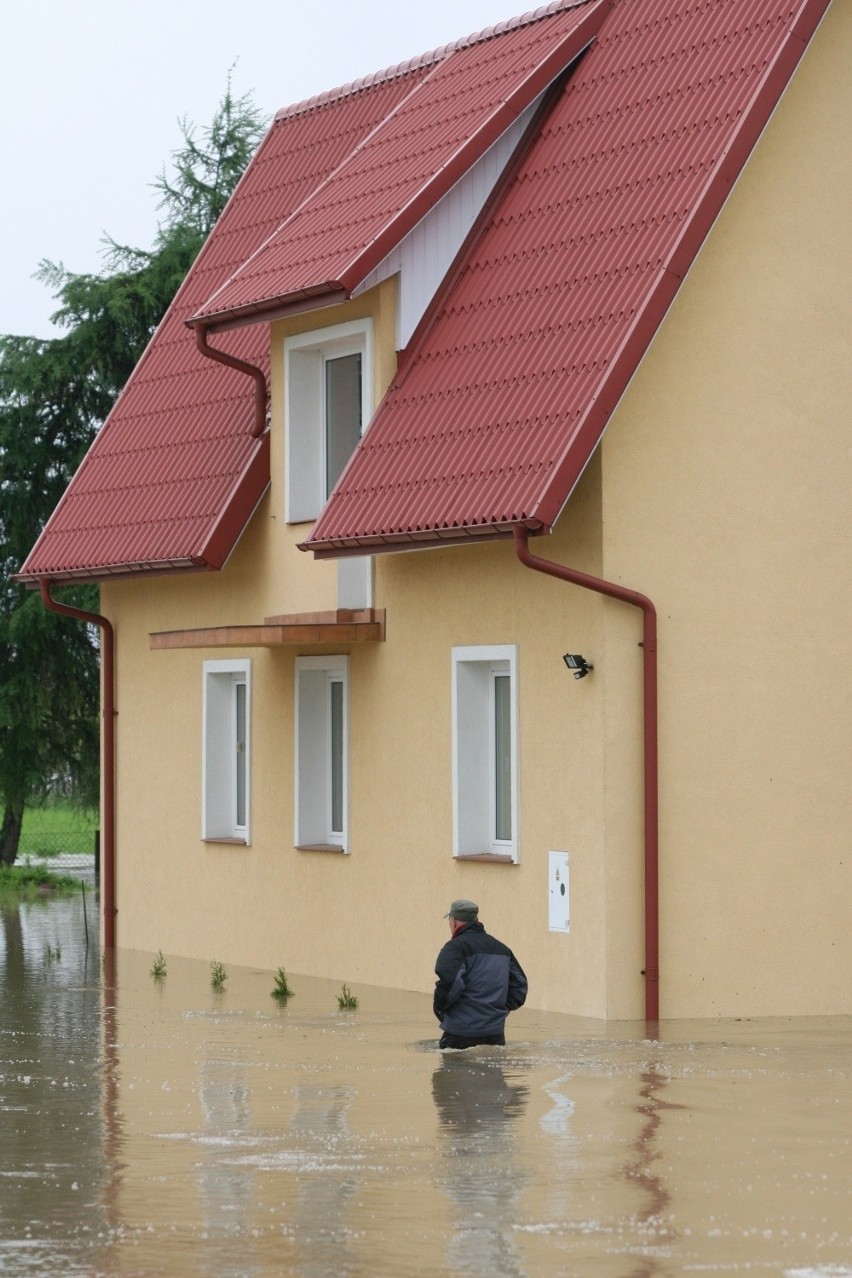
{"x": 154, "y": 1128}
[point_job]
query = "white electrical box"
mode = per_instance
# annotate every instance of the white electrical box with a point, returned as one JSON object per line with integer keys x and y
{"x": 559, "y": 892}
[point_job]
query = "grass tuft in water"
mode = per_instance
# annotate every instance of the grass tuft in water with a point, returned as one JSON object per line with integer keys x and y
{"x": 346, "y": 1000}
{"x": 158, "y": 967}
{"x": 218, "y": 975}
{"x": 52, "y": 953}
{"x": 282, "y": 985}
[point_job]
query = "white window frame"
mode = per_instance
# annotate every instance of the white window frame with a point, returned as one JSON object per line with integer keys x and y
{"x": 305, "y": 357}
{"x": 313, "y": 825}
{"x": 474, "y": 750}
{"x": 220, "y": 818}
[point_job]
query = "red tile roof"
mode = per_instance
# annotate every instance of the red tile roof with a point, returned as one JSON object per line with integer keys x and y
{"x": 505, "y": 392}
{"x": 471, "y": 95}
{"x": 174, "y": 474}
{"x": 492, "y": 418}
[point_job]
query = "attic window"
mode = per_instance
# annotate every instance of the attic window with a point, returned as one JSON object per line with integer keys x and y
{"x": 328, "y": 403}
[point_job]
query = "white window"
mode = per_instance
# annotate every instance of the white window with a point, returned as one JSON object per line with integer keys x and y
{"x": 226, "y": 749}
{"x": 328, "y": 404}
{"x": 322, "y": 753}
{"x": 485, "y": 751}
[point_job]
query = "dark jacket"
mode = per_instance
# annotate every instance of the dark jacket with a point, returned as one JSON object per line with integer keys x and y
{"x": 479, "y": 982}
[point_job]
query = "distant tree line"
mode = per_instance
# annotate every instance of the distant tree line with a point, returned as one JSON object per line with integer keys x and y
{"x": 54, "y": 395}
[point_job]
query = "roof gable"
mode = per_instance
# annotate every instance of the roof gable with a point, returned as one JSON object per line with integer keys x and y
{"x": 174, "y": 473}
{"x": 494, "y": 415}
{"x": 511, "y": 379}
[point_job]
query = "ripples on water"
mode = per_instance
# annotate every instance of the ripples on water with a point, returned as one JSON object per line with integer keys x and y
{"x": 161, "y": 1128}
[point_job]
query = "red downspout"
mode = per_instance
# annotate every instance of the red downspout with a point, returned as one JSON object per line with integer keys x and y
{"x": 108, "y": 671}
{"x": 222, "y": 357}
{"x": 649, "y": 647}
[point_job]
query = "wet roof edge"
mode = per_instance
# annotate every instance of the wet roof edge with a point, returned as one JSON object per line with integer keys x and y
{"x": 423, "y": 60}
{"x": 246, "y": 494}
{"x": 108, "y": 572}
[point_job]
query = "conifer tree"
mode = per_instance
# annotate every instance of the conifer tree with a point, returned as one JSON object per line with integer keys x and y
{"x": 54, "y": 395}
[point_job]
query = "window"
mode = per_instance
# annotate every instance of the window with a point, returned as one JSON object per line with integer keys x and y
{"x": 322, "y": 723}
{"x": 485, "y": 752}
{"x": 226, "y": 738}
{"x": 328, "y": 403}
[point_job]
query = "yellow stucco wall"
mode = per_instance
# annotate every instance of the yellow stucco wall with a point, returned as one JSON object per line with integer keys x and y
{"x": 719, "y": 491}
{"x": 726, "y": 478}
{"x": 334, "y": 915}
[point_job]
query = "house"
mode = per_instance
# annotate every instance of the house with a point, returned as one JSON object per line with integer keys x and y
{"x": 523, "y": 360}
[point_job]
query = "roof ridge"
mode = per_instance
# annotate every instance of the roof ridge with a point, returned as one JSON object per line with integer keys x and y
{"x": 430, "y": 58}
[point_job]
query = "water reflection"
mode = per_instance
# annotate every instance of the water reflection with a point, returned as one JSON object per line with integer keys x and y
{"x": 557, "y": 1125}
{"x": 145, "y": 1129}
{"x": 226, "y": 1185}
{"x": 478, "y": 1106}
{"x": 50, "y": 1129}
{"x": 646, "y": 1147}
{"x": 320, "y": 1126}
{"x": 109, "y": 1080}
{"x": 643, "y": 1170}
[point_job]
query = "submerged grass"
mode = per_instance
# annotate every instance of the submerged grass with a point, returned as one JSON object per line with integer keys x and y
{"x": 282, "y": 985}
{"x": 28, "y": 882}
{"x": 346, "y": 1000}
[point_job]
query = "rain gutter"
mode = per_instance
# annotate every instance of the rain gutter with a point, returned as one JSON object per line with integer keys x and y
{"x": 109, "y": 712}
{"x": 651, "y": 779}
{"x": 242, "y": 366}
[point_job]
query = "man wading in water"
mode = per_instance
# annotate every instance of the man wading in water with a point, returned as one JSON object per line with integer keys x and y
{"x": 479, "y": 982}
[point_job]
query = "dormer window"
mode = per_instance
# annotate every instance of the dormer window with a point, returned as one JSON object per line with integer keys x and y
{"x": 328, "y": 404}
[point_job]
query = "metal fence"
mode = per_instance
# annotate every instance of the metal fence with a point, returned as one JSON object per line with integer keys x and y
{"x": 66, "y": 852}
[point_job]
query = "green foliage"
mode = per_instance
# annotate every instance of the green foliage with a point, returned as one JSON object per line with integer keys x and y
{"x": 48, "y": 699}
{"x": 57, "y": 826}
{"x": 158, "y": 967}
{"x": 282, "y": 985}
{"x": 205, "y": 172}
{"x": 54, "y": 395}
{"x": 59, "y": 816}
{"x": 346, "y": 1000}
{"x": 26, "y": 882}
{"x": 52, "y": 953}
{"x": 218, "y": 975}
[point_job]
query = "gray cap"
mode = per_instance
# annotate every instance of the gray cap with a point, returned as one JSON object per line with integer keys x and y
{"x": 464, "y": 911}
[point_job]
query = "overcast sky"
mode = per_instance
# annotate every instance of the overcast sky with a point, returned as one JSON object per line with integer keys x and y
{"x": 91, "y": 93}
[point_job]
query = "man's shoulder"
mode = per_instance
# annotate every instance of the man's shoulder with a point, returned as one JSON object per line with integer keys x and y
{"x": 463, "y": 941}
{"x": 492, "y": 939}
{"x": 450, "y": 947}
{"x": 479, "y": 939}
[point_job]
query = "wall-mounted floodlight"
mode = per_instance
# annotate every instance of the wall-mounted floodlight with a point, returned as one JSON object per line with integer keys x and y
{"x": 578, "y": 664}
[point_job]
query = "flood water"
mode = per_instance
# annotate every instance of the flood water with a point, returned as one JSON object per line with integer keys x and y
{"x": 163, "y": 1128}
